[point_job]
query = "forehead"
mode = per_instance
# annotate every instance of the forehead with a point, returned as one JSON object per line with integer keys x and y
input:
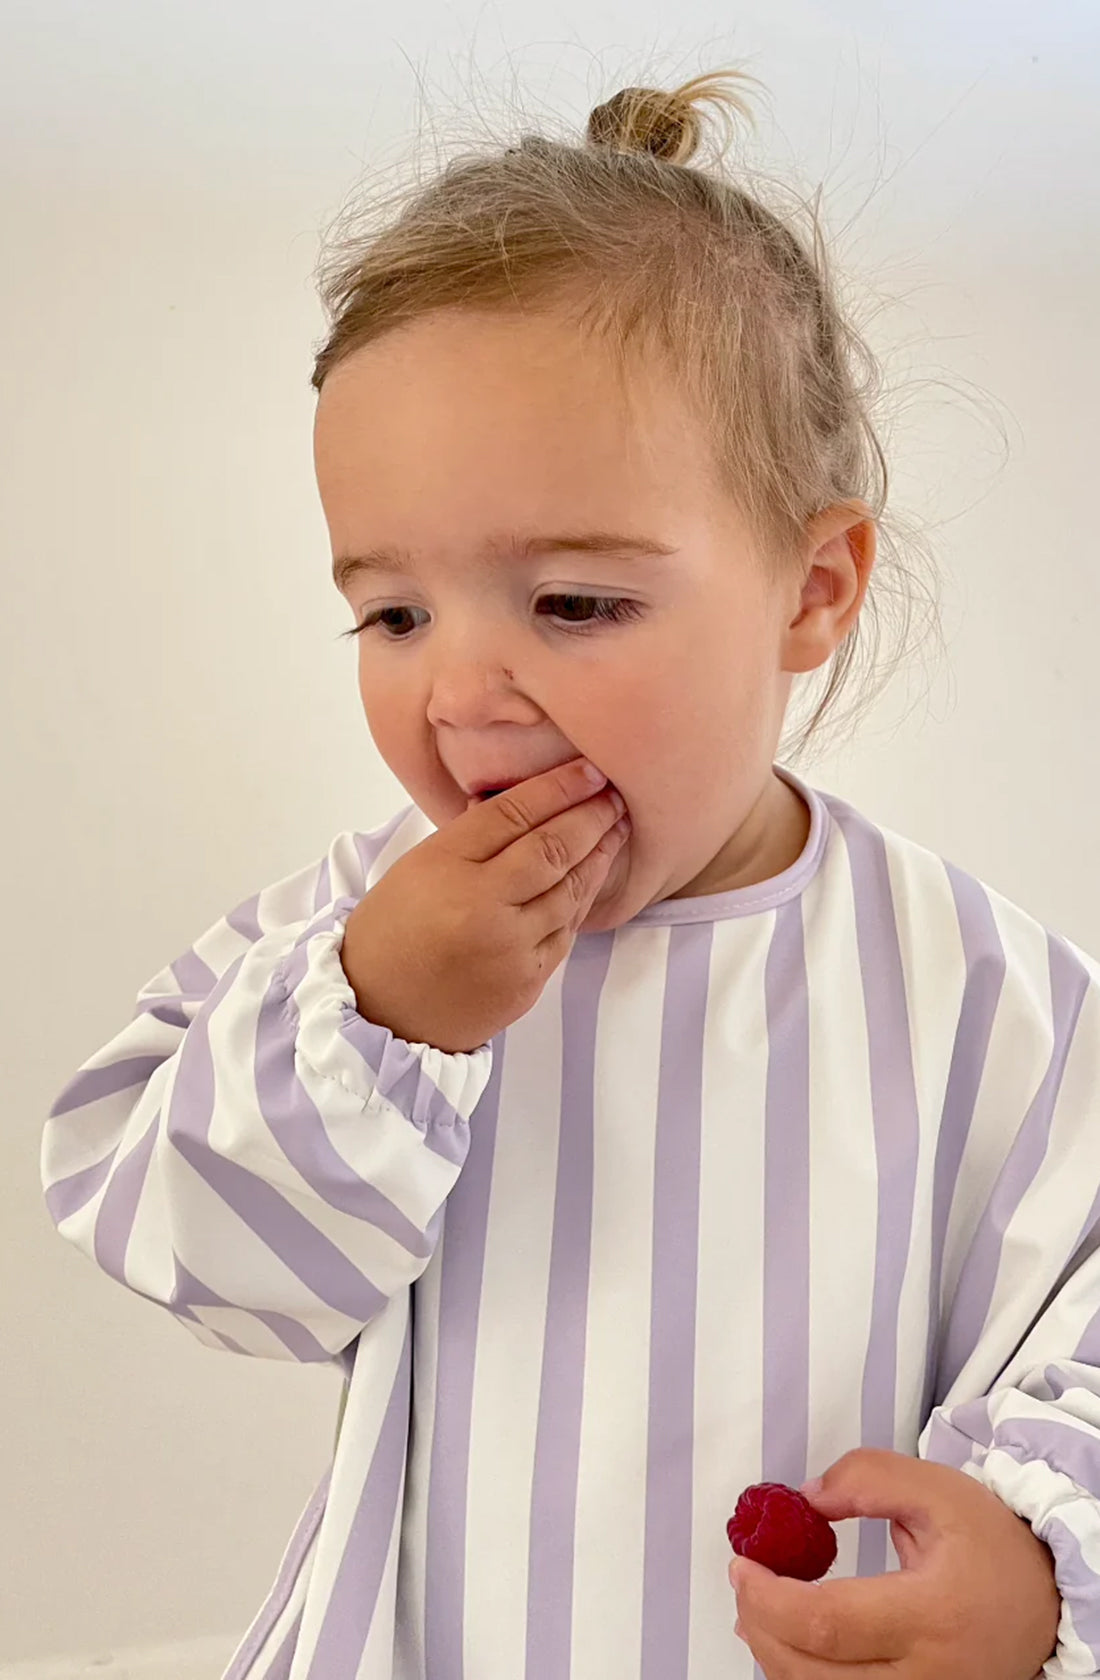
{"x": 465, "y": 405}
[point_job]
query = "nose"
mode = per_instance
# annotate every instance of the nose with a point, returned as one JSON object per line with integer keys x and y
{"x": 471, "y": 687}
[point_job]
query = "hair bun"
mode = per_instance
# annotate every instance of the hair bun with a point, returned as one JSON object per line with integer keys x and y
{"x": 653, "y": 120}
{"x": 665, "y": 122}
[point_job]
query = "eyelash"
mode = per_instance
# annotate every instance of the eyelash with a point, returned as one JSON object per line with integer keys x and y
{"x": 607, "y": 609}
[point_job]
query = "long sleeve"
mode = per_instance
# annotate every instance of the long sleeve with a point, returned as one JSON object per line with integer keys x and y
{"x": 251, "y": 1153}
{"x": 1030, "y": 1287}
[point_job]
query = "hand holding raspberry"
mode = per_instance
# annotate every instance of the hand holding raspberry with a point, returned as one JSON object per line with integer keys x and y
{"x": 777, "y": 1526}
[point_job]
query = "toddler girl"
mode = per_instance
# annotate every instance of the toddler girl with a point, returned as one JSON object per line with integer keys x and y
{"x": 628, "y": 1119}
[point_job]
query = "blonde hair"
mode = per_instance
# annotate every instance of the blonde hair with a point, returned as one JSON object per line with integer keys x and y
{"x": 678, "y": 259}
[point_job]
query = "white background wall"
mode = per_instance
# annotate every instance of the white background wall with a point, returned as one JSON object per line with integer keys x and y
{"x": 180, "y": 725}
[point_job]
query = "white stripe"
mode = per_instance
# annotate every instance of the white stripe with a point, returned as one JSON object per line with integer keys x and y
{"x": 508, "y": 1367}
{"x": 608, "y": 1580}
{"x": 729, "y": 1355}
{"x": 843, "y": 1185}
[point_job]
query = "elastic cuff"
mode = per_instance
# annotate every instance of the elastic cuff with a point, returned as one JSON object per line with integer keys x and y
{"x": 1066, "y": 1518}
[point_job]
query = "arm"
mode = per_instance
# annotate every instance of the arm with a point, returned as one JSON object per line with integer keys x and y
{"x": 248, "y": 1151}
{"x": 1020, "y": 1343}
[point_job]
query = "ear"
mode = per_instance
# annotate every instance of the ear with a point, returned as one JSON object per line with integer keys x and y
{"x": 835, "y": 568}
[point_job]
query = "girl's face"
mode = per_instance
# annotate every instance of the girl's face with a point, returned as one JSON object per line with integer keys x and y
{"x": 547, "y": 568}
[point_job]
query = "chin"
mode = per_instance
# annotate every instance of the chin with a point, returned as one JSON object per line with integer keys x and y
{"x": 611, "y": 910}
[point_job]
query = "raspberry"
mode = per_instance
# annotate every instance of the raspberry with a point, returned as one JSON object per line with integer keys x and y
{"x": 777, "y": 1526}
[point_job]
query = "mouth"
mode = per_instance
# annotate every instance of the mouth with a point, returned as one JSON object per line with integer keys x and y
{"x": 478, "y": 795}
{"x": 478, "y": 791}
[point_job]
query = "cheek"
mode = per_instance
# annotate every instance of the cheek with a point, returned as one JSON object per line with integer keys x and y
{"x": 391, "y": 719}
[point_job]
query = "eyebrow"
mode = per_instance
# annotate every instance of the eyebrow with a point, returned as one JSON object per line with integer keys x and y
{"x": 347, "y": 566}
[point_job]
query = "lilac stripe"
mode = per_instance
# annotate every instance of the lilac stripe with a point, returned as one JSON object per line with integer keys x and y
{"x": 93, "y": 1084}
{"x": 462, "y": 1266}
{"x": 245, "y": 919}
{"x": 897, "y": 1138}
{"x": 971, "y": 1418}
{"x": 786, "y": 1249}
{"x": 295, "y": 1122}
{"x": 68, "y": 1195}
{"x": 306, "y": 1252}
{"x": 192, "y": 974}
{"x": 558, "y": 1430}
{"x": 190, "y": 1292}
{"x": 1076, "y": 1583}
{"x": 283, "y": 1660}
{"x": 276, "y": 1602}
{"x": 370, "y": 846}
{"x": 978, "y": 1278}
{"x": 118, "y": 1208}
{"x": 351, "y": 1606}
{"x": 170, "y": 1011}
{"x": 985, "y": 972}
{"x": 1072, "y": 1452}
{"x": 947, "y": 1444}
{"x": 670, "y": 1453}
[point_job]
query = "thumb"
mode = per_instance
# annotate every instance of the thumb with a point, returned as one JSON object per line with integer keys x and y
{"x": 874, "y": 1482}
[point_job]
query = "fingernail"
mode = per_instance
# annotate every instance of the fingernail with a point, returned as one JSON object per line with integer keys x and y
{"x": 591, "y": 774}
{"x": 812, "y": 1488}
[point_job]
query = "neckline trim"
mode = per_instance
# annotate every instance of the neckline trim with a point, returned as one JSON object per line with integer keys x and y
{"x": 761, "y": 895}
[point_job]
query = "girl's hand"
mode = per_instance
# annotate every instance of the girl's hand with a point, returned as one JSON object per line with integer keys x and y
{"x": 460, "y": 936}
{"x": 975, "y": 1598}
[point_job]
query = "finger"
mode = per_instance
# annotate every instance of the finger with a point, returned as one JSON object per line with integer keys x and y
{"x": 487, "y": 829}
{"x": 876, "y": 1482}
{"x": 779, "y": 1662}
{"x": 565, "y": 905}
{"x": 539, "y": 861}
{"x": 849, "y": 1620}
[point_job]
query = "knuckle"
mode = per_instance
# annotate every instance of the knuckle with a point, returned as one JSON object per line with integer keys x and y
{"x": 576, "y": 886}
{"x": 553, "y": 849}
{"x": 515, "y": 812}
